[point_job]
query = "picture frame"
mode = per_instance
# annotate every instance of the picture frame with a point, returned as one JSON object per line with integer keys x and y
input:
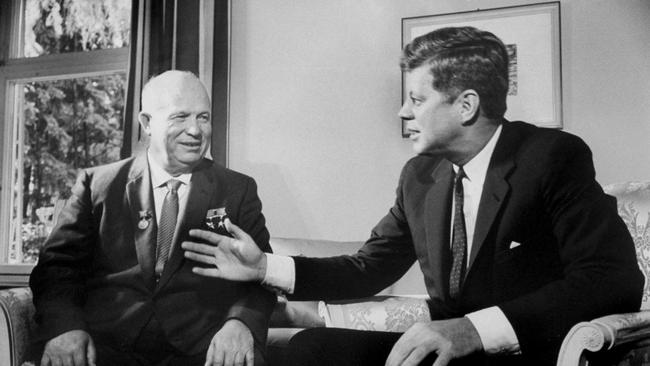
{"x": 532, "y": 35}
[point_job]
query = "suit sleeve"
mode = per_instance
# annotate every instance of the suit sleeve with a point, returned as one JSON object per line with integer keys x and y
{"x": 255, "y": 308}
{"x": 381, "y": 261}
{"x": 600, "y": 272}
{"x": 58, "y": 280}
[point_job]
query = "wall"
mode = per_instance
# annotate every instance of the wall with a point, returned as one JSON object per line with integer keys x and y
{"x": 315, "y": 90}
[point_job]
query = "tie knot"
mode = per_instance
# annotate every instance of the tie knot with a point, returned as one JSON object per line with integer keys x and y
{"x": 460, "y": 174}
{"x": 173, "y": 184}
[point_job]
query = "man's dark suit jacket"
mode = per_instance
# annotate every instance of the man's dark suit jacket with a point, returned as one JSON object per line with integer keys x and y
{"x": 576, "y": 259}
{"x": 96, "y": 270}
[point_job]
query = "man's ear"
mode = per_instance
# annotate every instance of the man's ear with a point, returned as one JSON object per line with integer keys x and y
{"x": 469, "y": 104}
{"x": 145, "y": 122}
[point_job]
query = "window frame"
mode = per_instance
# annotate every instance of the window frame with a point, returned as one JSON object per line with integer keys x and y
{"x": 15, "y": 71}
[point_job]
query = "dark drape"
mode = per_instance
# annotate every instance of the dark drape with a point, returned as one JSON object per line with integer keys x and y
{"x": 220, "y": 81}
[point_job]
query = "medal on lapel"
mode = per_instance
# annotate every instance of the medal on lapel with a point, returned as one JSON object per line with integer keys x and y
{"x": 215, "y": 219}
{"x": 145, "y": 218}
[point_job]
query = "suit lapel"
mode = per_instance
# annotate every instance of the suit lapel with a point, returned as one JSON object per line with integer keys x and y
{"x": 140, "y": 198}
{"x": 202, "y": 188}
{"x": 437, "y": 225}
{"x": 495, "y": 189}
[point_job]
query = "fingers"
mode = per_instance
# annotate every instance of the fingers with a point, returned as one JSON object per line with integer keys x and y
{"x": 45, "y": 360}
{"x": 57, "y": 361}
{"x": 415, "y": 357}
{"x": 443, "y": 359}
{"x": 207, "y": 272}
{"x": 239, "y": 359}
{"x": 209, "y": 355}
{"x": 250, "y": 358}
{"x": 208, "y": 236}
{"x": 67, "y": 360}
{"x": 91, "y": 353}
{"x": 218, "y": 357}
{"x": 236, "y": 232}
{"x": 399, "y": 352}
{"x": 229, "y": 358}
{"x": 194, "y": 255}
{"x": 79, "y": 358}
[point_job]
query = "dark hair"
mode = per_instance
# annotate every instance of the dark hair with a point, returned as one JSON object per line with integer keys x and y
{"x": 462, "y": 58}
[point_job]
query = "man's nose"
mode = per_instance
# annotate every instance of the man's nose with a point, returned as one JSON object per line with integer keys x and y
{"x": 192, "y": 127}
{"x": 405, "y": 112}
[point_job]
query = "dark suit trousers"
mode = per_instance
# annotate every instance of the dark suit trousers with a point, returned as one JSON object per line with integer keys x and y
{"x": 342, "y": 347}
{"x": 150, "y": 349}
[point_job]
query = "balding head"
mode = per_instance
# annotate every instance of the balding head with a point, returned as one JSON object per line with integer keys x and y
{"x": 168, "y": 85}
{"x": 175, "y": 114}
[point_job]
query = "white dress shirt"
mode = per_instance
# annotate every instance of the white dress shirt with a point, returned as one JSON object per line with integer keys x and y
{"x": 494, "y": 329}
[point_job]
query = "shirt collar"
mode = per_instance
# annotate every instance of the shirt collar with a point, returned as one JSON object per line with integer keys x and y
{"x": 476, "y": 169}
{"x": 159, "y": 176}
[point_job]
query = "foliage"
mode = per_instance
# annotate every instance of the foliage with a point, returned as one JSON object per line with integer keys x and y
{"x": 68, "y": 123}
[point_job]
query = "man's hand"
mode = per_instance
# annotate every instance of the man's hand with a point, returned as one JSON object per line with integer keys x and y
{"x": 72, "y": 348}
{"x": 232, "y": 345}
{"x": 450, "y": 339}
{"x": 237, "y": 259}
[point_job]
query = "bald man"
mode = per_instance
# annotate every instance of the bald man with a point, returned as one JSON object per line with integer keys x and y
{"x": 111, "y": 285}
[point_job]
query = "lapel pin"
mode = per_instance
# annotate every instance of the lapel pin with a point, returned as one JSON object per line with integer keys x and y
{"x": 145, "y": 218}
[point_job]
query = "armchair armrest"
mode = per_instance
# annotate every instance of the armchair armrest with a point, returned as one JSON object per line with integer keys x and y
{"x": 378, "y": 313}
{"x": 16, "y": 324}
{"x": 602, "y": 334}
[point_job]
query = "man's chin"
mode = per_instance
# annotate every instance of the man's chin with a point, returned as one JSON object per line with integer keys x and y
{"x": 185, "y": 164}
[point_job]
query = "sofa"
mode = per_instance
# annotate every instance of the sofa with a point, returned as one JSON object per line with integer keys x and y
{"x": 616, "y": 339}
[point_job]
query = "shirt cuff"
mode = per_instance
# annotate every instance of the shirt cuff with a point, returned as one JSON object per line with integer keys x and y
{"x": 495, "y": 331}
{"x": 280, "y": 273}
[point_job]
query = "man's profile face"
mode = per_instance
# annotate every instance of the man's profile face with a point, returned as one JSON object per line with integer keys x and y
{"x": 179, "y": 124}
{"x": 434, "y": 123}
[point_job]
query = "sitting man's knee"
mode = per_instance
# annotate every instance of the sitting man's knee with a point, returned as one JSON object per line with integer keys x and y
{"x": 305, "y": 348}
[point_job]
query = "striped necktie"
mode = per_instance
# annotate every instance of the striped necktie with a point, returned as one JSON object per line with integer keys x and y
{"x": 167, "y": 225}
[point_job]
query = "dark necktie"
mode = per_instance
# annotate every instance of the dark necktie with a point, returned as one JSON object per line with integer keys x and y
{"x": 167, "y": 225}
{"x": 459, "y": 238}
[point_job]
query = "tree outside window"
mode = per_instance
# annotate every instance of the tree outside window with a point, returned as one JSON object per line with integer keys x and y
{"x": 62, "y": 122}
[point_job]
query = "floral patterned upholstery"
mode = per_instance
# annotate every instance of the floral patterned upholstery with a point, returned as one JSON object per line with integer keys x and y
{"x": 16, "y": 325}
{"x": 619, "y": 339}
{"x": 378, "y": 313}
{"x": 633, "y": 200}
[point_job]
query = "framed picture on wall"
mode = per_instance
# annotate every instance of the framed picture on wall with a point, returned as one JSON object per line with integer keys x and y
{"x": 531, "y": 34}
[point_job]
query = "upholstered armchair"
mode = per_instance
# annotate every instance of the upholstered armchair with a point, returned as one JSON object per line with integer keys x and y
{"x": 619, "y": 339}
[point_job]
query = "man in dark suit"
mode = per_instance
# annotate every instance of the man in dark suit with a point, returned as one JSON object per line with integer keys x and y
{"x": 516, "y": 240}
{"x": 111, "y": 285}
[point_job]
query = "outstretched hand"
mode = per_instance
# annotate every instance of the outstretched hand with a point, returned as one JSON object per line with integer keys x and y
{"x": 237, "y": 258}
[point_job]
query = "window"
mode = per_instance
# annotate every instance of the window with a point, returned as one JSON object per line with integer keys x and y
{"x": 62, "y": 92}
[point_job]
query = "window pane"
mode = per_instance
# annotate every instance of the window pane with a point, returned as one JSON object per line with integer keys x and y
{"x": 59, "y": 26}
{"x": 66, "y": 124}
